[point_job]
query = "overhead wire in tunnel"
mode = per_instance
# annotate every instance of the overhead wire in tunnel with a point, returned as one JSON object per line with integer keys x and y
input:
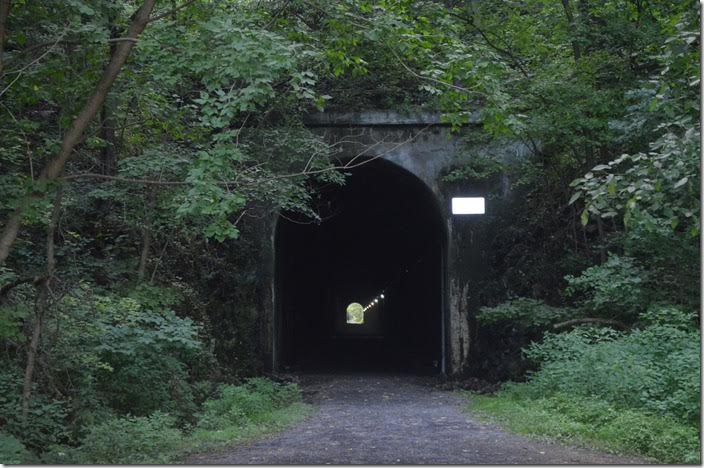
{"x": 397, "y": 279}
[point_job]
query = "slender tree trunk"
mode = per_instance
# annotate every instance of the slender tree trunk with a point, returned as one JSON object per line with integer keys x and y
{"x": 158, "y": 261}
{"x": 107, "y": 133}
{"x": 602, "y": 247}
{"x": 144, "y": 257}
{"x": 576, "y": 50}
{"x": 56, "y": 165}
{"x": 146, "y": 236}
{"x": 107, "y": 115}
{"x": 573, "y": 224}
{"x": 42, "y": 305}
{"x": 4, "y": 14}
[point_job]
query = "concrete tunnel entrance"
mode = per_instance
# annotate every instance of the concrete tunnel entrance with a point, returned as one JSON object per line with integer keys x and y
{"x": 382, "y": 233}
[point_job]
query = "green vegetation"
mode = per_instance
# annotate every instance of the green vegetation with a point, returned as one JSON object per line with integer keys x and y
{"x": 636, "y": 392}
{"x": 592, "y": 423}
{"x": 145, "y": 145}
{"x": 235, "y": 414}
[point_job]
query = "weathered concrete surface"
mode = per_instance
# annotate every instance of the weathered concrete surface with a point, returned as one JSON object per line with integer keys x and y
{"x": 382, "y": 419}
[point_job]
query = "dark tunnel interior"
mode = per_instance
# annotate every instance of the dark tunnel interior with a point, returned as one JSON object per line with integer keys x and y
{"x": 381, "y": 233}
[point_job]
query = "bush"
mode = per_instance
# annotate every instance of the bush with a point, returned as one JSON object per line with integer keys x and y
{"x": 239, "y": 404}
{"x": 129, "y": 353}
{"x": 13, "y": 452}
{"x": 522, "y": 312}
{"x": 635, "y": 391}
{"x": 613, "y": 289}
{"x": 131, "y": 440}
{"x": 46, "y": 418}
{"x": 281, "y": 395}
{"x": 656, "y": 369}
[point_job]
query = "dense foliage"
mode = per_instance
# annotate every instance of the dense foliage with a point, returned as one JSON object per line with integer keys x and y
{"x": 132, "y": 213}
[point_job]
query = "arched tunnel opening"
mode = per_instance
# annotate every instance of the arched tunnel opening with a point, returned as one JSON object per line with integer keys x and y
{"x": 380, "y": 244}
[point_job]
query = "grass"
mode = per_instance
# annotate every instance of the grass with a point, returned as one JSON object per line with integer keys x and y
{"x": 212, "y": 439}
{"x": 593, "y": 424}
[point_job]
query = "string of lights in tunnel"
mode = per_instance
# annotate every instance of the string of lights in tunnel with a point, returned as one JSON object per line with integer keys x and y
{"x": 355, "y": 311}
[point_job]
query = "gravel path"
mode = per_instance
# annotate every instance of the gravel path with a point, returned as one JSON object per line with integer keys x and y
{"x": 383, "y": 419}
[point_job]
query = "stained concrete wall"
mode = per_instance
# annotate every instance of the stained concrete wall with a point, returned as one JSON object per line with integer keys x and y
{"x": 427, "y": 148}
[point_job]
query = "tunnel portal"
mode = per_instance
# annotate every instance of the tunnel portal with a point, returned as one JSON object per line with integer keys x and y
{"x": 381, "y": 234}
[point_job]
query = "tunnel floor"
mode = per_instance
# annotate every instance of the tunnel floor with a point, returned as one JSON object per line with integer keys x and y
{"x": 379, "y": 244}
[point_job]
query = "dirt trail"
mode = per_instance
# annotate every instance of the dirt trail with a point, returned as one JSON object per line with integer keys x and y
{"x": 382, "y": 419}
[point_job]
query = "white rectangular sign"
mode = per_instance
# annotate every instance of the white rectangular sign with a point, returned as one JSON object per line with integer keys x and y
{"x": 468, "y": 205}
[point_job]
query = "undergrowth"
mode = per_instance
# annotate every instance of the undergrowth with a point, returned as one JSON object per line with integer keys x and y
{"x": 238, "y": 413}
{"x": 635, "y": 392}
{"x": 593, "y": 423}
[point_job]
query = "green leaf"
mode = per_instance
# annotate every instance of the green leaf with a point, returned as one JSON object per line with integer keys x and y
{"x": 681, "y": 182}
{"x": 585, "y": 217}
{"x": 574, "y": 197}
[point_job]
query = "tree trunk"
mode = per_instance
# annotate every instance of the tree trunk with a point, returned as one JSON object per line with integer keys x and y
{"x": 108, "y": 123}
{"x": 4, "y": 14}
{"x": 107, "y": 133}
{"x": 602, "y": 247}
{"x": 146, "y": 245}
{"x": 56, "y": 165}
{"x": 573, "y": 29}
{"x": 581, "y": 321}
{"x": 42, "y": 306}
{"x": 146, "y": 236}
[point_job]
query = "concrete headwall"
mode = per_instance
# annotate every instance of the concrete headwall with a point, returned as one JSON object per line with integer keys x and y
{"x": 426, "y": 147}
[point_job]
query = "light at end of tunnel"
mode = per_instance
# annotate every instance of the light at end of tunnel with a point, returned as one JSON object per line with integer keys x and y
{"x": 355, "y": 313}
{"x": 468, "y": 205}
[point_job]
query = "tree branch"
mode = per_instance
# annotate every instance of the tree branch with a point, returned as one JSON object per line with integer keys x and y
{"x": 428, "y": 78}
{"x": 170, "y": 12}
{"x": 21, "y": 71}
{"x": 580, "y": 321}
{"x": 6, "y": 288}
{"x": 491, "y": 44}
{"x": 351, "y": 164}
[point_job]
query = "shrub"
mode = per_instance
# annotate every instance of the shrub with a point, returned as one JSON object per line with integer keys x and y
{"x": 522, "y": 312}
{"x": 280, "y": 394}
{"x": 46, "y": 418}
{"x": 236, "y": 406}
{"x": 614, "y": 288}
{"x": 13, "y": 452}
{"x": 239, "y": 404}
{"x": 656, "y": 369}
{"x": 132, "y": 352}
{"x": 131, "y": 440}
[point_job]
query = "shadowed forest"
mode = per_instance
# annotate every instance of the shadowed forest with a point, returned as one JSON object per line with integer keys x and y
{"x": 144, "y": 144}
